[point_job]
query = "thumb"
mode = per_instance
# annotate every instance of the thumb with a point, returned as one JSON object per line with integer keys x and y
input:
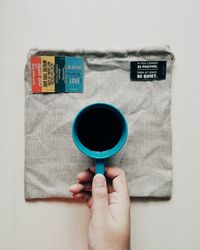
{"x": 99, "y": 194}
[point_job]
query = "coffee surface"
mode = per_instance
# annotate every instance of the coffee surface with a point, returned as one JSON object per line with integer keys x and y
{"x": 99, "y": 129}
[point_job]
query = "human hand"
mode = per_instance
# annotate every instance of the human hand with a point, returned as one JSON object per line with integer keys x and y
{"x": 109, "y": 204}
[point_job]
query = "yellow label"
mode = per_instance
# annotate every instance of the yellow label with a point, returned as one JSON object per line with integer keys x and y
{"x": 47, "y": 74}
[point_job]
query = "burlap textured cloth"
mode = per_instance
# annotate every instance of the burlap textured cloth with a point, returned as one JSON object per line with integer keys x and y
{"x": 52, "y": 161}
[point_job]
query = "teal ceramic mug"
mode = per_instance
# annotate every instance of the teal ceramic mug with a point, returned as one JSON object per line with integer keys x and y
{"x": 99, "y": 131}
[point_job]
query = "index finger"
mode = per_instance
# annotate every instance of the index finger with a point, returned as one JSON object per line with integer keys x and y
{"x": 118, "y": 179}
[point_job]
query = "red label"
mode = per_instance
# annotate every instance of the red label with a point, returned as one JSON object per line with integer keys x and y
{"x": 36, "y": 74}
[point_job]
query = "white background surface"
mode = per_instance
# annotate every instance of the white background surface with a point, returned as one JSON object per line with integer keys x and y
{"x": 103, "y": 24}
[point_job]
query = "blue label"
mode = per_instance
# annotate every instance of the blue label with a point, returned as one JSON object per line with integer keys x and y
{"x": 74, "y": 74}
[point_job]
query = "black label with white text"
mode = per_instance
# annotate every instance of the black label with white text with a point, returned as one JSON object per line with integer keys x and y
{"x": 148, "y": 70}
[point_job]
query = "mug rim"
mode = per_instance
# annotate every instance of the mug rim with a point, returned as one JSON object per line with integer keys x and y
{"x": 106, "y": 153}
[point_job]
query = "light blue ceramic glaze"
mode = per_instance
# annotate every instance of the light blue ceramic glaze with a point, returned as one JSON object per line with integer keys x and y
{"x": 99, "y": 157}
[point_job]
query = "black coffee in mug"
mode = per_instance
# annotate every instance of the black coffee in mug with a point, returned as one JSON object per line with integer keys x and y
{"x": 99, "y": 129}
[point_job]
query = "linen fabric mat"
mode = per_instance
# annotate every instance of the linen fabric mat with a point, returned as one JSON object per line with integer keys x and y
{"x": 52, "y": 161}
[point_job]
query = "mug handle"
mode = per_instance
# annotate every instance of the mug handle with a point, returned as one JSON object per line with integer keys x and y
{"x": 99, "y": 166}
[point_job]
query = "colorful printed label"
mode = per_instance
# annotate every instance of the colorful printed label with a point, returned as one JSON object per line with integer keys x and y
{"x": 59, "y": 74}
{"x": 36, "y": 74}
{"x": 74, "y": 74}
{"x": 47, "y": 73}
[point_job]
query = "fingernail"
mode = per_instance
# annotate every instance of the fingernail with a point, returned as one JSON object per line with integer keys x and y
{"x": 71, "y": 187}
{"x": 78, "y": 176}
{"x": 99, "y": 180}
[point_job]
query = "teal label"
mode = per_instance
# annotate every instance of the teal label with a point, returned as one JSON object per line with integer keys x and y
{"x": 74, "y": 74}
